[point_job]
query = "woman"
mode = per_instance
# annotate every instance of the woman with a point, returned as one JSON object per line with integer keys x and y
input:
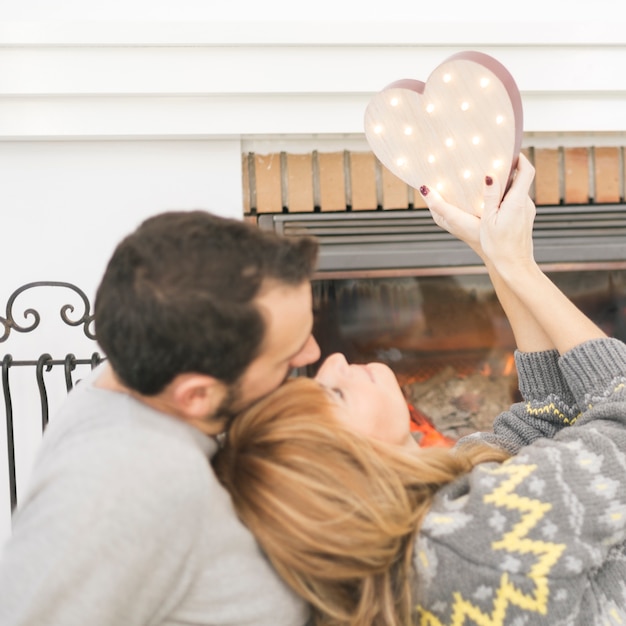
{"x": 525, "y": 525}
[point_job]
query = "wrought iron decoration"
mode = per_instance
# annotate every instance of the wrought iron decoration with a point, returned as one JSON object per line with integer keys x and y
{"x": 9, "y": 322}
{"x": 44, "y": 362}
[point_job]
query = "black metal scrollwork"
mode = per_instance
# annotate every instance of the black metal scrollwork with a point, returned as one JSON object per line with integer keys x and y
{"x": 9, "y": 322}
{"x": 43, "y": 363}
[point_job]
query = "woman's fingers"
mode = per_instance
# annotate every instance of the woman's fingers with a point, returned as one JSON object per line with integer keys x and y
{"x": 451, "y": 218}
{"x": 506, "y": 227}
{"x": 484, "y": 232}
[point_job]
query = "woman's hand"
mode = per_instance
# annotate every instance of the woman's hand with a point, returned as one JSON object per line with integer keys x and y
{"x": 506, "y": 228}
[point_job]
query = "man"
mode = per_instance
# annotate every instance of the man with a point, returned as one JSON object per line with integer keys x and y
{"x": 124, "y": 522}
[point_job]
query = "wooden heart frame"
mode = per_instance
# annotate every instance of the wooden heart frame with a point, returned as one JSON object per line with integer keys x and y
{"x": 448, "y": 133}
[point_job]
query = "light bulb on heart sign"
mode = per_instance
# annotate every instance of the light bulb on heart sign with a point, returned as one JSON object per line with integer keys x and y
{"x": 463, "y": 123}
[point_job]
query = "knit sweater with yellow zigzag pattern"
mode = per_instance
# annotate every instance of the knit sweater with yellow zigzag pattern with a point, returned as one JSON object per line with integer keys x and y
{"x": 540, "y": 539}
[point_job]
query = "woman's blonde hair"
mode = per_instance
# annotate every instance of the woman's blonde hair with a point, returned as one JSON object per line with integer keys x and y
{"x": 335, "y": 512}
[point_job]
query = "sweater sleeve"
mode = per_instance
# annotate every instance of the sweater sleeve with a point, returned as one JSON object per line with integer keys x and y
{"x": 548, "y": 404}
{"x": 593, "y": 371}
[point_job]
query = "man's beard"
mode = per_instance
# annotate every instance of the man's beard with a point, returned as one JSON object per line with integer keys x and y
{"x": 233, "y": 404}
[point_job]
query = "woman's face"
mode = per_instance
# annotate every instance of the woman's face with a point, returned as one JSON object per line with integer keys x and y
{"x": 368, "y": 399}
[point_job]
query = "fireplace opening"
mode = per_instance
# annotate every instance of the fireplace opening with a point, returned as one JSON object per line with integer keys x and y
{"x": 392, "y": 286}
{"x": 446, "y": 336}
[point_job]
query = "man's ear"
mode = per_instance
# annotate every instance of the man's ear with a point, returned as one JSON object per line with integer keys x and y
{"x": 196, "y": 398}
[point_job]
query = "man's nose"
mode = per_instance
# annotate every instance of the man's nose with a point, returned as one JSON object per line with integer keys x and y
{"x": 309, "y": 354}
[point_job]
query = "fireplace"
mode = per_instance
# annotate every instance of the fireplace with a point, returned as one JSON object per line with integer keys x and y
{"x": 393, "y": 287}
{"x": 446, "y": 336}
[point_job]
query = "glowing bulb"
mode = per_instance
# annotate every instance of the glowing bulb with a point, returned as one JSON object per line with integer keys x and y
{"x": 394, "y": 102}
{"x": 447, "y": 78}
{"x": 431, "y": 158}
{"x": 497, "y": 164}
{"x": 401, "y": 162}
{"x": 499, "y": 119}
{"x": 378, "y": 129}
{"x": 449, "y": 142}
{"x": 484, "y": 82}
{"x": 464, "y": 106}
{"x": 466, "y": 174}
{"x": 430, "y": 108}
{"x": 476, "y": 140}
{"x": 408, "y": 130}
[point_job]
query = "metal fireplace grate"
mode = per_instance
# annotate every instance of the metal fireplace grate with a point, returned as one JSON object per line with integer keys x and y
{"x": 409, "y": 239}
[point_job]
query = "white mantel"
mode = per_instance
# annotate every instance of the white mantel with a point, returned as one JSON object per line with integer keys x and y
{"x": 103, "y": 123}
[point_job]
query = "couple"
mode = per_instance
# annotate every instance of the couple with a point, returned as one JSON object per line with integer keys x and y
{"x": 126, "y": 523}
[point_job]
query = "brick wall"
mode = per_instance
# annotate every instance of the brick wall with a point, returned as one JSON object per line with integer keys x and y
{"x": 357, "y": 181}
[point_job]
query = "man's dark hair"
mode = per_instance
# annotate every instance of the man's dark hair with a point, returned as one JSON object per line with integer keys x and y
{"x": 177, "y": 296}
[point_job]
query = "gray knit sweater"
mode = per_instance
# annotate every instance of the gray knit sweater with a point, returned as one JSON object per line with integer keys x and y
{"x": 540, "y": 539}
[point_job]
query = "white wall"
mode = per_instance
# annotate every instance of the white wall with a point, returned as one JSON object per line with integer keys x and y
{"x": 64, "y": 206}
{"x": 113, "y": 111}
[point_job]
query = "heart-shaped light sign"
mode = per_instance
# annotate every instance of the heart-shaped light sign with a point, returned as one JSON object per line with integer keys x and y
{"x": 463, "y": 123}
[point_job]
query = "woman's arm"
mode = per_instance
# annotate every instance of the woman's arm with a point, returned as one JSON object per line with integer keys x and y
{"x": 505, "y": 236}
{"x": 529, "y": 334}
{"x": 542, "y": 318}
